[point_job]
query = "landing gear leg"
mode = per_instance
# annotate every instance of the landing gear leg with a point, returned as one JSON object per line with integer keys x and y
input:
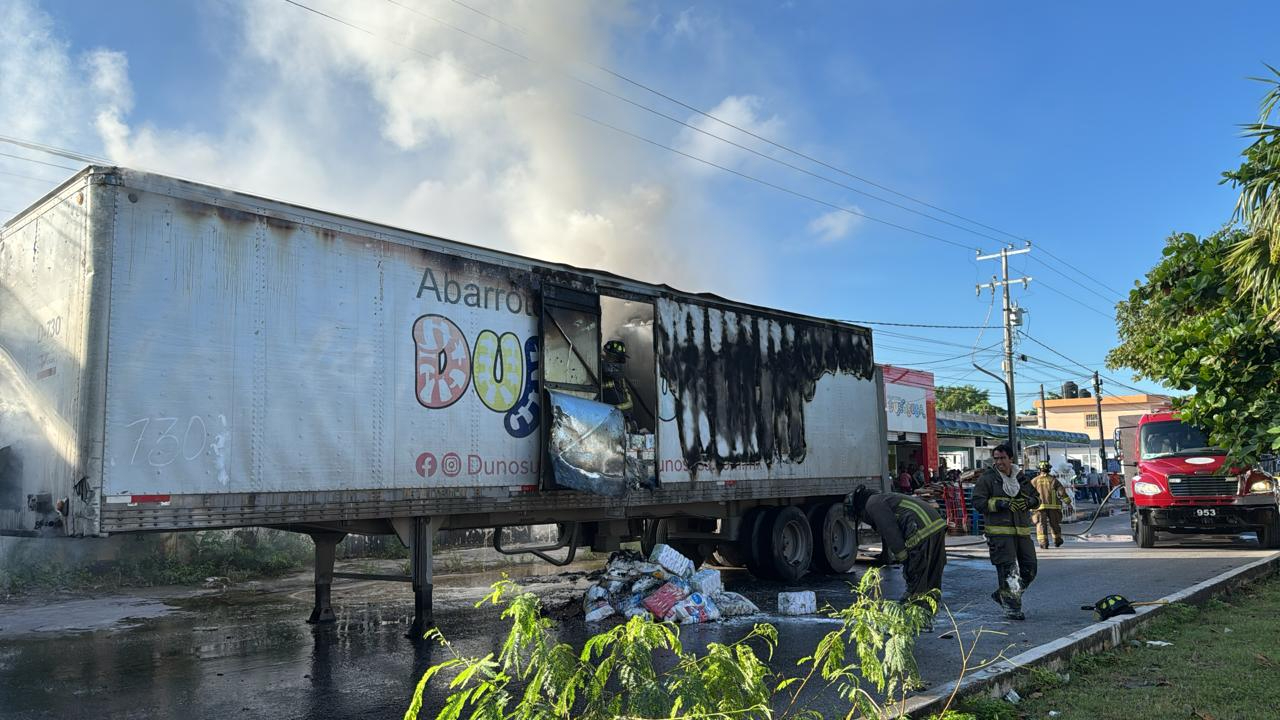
{"x": 423, "y": 539}
{"x": 326, "y": 551}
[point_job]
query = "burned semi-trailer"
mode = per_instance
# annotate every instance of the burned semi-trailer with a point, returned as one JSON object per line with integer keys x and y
{"x": 184, "y": 357}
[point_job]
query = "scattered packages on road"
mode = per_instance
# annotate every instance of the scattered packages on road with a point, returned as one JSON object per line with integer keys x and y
{"x": 664, "y": 586}
{"x": 797, "y": 603}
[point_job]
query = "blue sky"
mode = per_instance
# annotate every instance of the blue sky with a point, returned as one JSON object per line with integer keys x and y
{"x": 1094, "y": 129}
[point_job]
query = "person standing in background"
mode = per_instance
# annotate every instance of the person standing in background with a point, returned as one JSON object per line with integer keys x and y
{"x": 1048, "y": 519}
{"x": 903, "y": 483}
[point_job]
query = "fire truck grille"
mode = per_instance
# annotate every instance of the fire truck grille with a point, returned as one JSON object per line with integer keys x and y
{"x": 1196, "y": 486}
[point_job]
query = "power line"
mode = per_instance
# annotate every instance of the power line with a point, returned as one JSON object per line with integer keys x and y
{"x": 29, "y": 177}
{"x": 38, "y": 162}
{"x": 1070, "y": 279}
{"x": 700, "y": 112}
{"x": 766, "y": 183}
{"x": 923, "y": 325}
{"x": 753, "y": 151}
{"x": 792, "y": 151}
{"x": 920, "y": 338}
{"x": 1086, "y": 368}
{"x": 643, "y": 139}
{"x": 950, "y": 359}
{"x": 690, "y": 126}
{"x": 51, "y": 150}
{"x": 1047, "y": 286}
{"x": 1073, "y": 267}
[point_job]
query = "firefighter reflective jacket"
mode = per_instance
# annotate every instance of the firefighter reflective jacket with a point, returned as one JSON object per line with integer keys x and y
{"x": 1052, "y": 494}
{"x": 902, "y": 521}
{"x": 988, "y": 494}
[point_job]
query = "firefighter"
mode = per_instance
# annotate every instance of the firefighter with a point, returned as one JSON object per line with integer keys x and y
{"x": 1053, "y": 498}
{"x": 1006, "y": 504}
{"x": 616, "y": 390}
{"x": 913, "y": 533}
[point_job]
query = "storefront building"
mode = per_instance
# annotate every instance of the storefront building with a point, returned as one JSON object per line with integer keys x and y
{"x": 965, "y": 440}
{"x": 909, "y": 409}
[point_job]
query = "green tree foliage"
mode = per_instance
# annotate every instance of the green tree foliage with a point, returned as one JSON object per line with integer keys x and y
{"x": 1187, "y": 327}
{"x": 1254, "y": 259}
{"x": 966, "y": 399}
{"x": 639, "y": 669}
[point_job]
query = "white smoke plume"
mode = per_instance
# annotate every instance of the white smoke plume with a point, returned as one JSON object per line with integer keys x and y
{"x": 451, "y": 137}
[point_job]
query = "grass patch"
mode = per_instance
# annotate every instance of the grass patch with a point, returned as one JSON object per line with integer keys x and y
{"x": 1222, "y": 665}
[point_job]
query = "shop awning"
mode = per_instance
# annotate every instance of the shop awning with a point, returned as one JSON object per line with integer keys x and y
{"x": 968, "y": 428}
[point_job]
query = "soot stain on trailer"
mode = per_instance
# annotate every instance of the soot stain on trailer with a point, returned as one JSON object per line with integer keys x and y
{"x": 741, "y": 381}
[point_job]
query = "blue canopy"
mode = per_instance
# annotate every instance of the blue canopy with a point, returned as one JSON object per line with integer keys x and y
{"x": 969, "y": 428}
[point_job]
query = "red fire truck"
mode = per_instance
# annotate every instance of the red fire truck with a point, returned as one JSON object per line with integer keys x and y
{"x": 1177, "y": 483}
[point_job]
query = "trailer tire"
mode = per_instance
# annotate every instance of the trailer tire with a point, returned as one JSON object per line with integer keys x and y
{"x": 835, "y": 538}
{"x": 790, "y": 543}
{"x": 1269, "y": 534}
{"x": 1143, "y": 534}
{"x": 655, "y": 532}
{"x": 750, "y": 541}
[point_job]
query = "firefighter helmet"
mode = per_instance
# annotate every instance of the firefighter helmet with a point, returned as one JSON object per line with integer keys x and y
{"x": 616, "y": 348}
{"x": 856, "y": 502}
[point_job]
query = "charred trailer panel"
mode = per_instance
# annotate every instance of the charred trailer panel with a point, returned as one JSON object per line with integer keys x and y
{"x": 753, "y": 397}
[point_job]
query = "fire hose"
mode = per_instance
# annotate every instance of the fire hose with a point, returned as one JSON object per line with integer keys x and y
{"x": 1088, "y": 529}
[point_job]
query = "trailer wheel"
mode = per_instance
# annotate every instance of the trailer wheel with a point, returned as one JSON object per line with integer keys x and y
{"x": 790, "y": 543}
{"x": 1143, "y": 533}
{"x": 1269, "y": 534}
{"x": 655, "y": 532}
{"x": 751, "y": 547}
{"x": 835, "y": 537}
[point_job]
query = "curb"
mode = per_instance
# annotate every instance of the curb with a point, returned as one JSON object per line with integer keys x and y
{"x": 997, "y": 679}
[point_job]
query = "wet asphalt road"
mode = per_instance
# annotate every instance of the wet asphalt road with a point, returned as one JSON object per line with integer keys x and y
{"x": 247, "y": 653}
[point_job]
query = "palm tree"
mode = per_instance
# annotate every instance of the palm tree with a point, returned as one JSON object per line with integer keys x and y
{"x": 1254, "y": 261}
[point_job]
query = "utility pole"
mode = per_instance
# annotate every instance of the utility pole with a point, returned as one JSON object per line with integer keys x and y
{"x": 1102, "y": 437}
{"x": 1012, "y": 316}
{"x": 1044, "y": 420}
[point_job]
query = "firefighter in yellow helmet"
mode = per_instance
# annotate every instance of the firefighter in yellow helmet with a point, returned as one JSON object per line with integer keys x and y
{"x": 1052, "y": 499}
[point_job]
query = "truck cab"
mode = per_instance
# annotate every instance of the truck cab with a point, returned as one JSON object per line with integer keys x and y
{"x": 1178, "y": 483}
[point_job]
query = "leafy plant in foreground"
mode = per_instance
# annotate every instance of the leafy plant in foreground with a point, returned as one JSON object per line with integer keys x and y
{"x": 639, "y": 669}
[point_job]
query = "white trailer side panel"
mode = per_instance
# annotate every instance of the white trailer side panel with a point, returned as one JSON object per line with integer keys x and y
{"x": 49, "y": 373}
{"x": 252, "y": 354}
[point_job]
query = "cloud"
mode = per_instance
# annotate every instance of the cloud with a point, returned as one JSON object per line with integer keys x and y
{"x": 686, "y": 25}
{"x": 833, "y": 226}
{"x": 741, "y": 111}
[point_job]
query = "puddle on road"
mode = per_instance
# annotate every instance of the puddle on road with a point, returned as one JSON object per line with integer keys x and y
{"x": 82, "y": 615}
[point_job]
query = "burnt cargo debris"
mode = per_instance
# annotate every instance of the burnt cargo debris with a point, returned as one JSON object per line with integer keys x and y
{"x": 740, "y": 381}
